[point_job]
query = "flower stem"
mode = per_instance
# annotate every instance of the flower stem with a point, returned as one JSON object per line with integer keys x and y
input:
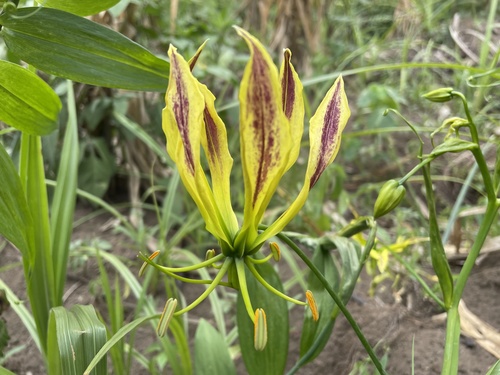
{"x": 337, "y": 300}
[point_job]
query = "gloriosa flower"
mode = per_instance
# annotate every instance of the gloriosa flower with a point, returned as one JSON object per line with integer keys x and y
{"x": 271, "y": 127}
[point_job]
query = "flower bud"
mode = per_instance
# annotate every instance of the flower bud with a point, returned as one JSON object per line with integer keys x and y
{"x": 391, "y": 194}
{"x": 440, "y": 95}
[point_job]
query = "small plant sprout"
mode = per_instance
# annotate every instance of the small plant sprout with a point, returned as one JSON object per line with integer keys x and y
{"x": 271, "y": 127}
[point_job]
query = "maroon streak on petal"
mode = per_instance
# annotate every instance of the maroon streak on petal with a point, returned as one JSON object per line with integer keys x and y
{"x": 330, "y": 131}
{"x": 260, "y": 104}
{"x": 214, "y": 150}
{"x": 181, "y": 113}
{"x": 288, "y": 87}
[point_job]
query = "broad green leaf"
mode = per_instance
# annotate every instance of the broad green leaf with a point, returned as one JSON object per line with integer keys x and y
{"x": 15, "y": 217}
{"x": 79, "y": 7}
{"x": 75, "y": 331}
{"x": 272, "y": 360}
{"x": 76, "y": 48}
{"x": 311, "y": 330}
{"x": 211, "y": 351}
{"x": 28, "y": 103}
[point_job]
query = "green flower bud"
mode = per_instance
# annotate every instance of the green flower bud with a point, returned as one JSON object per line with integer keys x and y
{"x": 391, "y": 194}
{"x": 440, "y": 95}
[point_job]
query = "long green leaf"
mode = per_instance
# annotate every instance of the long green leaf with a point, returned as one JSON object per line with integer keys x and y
{"x": 15, "y": 218}
{"x": 22, "y": 312}
{"x": 211, "y": 351}
{"x": 76, "y": 48}
{"x": 38, "y": 265}
{"x": 75, "y": 336}
{"x": 63, "y": 204}
{"x": 272, "y": 359}
{"x": 79, "y": 7}
{"x": 28, "y": 103}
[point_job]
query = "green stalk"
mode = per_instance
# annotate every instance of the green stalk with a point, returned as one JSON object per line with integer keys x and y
{"x": 337, "y": 300}
{"x": 38, "y": 267}
{"x": 452, "y": 343}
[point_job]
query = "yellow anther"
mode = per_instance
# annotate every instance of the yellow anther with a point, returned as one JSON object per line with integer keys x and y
{"x": 145, "y": 264}
{"x": 166, "y": 316}
{"x": 275, "y": 250}
{"x": 209, "y": 254}
{"x": 312, "y": 305}
{"x": 260, "y": 330}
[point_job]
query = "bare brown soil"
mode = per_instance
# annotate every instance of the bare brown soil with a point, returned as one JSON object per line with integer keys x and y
{"x": 392, "y": 326}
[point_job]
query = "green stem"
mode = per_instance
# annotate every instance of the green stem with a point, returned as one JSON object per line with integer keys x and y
{"x": 415, "y": 169}
{"x": 337, "y": 300}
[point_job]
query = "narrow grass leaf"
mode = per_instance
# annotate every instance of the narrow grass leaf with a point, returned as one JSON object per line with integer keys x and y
{"x": 211, "y": 351}
{"x": 28, "y": 103}
{"x": 495, "y": 369}
{"x": 63, "y": 204}
{"x": 38, "y": 265}
{"x": 22, "y": 312}
{"x": 116, "y": 338}
{"x": 76, "y": 48}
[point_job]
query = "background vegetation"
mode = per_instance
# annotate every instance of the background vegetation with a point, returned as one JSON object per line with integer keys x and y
{"x": 389, "y": 52}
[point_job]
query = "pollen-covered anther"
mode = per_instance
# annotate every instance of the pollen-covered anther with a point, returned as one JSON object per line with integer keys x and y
{"x": 260, "y": 330}
{"x": 312, "y": 305}
{"x": 275, "y": 251}
{"x": 166, "y": 316}
{"x": 145, "y": 264}
{"x": 209, "y": 254}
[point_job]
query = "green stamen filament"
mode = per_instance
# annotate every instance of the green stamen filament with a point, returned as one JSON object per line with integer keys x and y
{"x": 195, "y": 281}
{"x": 209, "y": 290}
{"x": 269, "y": 287}
{"x": 260, "y": 261}
{"x": 240, "y": 269}
{"x": 182, "y": 269}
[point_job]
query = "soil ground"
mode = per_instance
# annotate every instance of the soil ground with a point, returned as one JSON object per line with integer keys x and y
{"x": 393, "y": 326}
